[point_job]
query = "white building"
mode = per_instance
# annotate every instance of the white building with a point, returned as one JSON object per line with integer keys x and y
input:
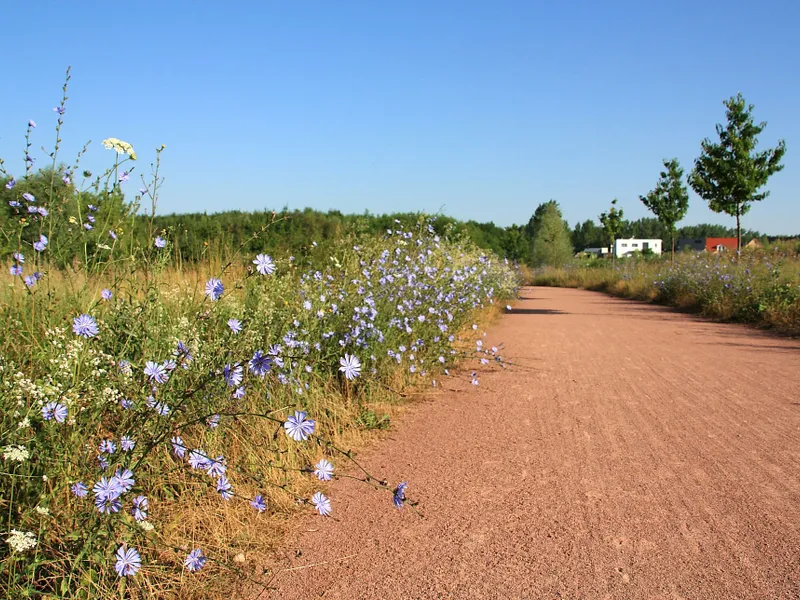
{"x": 626, "y": 247}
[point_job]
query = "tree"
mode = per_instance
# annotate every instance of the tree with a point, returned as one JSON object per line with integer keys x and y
{"x": 729, "y": 174}
{"x": 587, "y": 235}
{"x": 669, "y": 201}
{"x": 551, "y": 243}
{"x": 612, "y": 221}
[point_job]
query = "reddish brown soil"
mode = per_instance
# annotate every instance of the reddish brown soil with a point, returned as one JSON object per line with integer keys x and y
{"x": 635, "y": 453}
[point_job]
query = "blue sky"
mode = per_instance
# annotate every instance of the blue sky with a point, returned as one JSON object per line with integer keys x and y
{"x": 480, "y": 109}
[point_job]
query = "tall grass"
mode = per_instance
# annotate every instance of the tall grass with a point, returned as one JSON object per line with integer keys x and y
{"x": 158, "y": 424}
{"x": 759, "y": 286}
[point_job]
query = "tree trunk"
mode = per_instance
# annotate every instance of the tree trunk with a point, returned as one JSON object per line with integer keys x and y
{"x": 738, "y": 230}
{"x": 672, "y": 236}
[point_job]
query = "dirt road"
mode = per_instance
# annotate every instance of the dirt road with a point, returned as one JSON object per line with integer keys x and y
{"x": 641, "y": 454}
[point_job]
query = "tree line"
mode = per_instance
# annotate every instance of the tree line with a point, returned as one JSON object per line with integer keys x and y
{"x": 728, "y": 174}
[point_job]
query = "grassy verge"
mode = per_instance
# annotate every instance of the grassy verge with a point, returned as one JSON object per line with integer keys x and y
{"x": 159, "y": 424}
{"x": 760, "y": 287}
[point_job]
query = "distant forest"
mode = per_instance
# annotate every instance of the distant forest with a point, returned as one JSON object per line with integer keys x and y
{"x": 197, "y": 236}
{"x": 297, "y": 229}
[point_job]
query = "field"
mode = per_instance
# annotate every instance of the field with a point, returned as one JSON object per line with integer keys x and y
{"x": 161, "y": 420}
{"x": 761, "y": 287}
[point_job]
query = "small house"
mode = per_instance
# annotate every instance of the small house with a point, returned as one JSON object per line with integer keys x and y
{"x": 628, "y": 246}
{"x": 709, "y": 244}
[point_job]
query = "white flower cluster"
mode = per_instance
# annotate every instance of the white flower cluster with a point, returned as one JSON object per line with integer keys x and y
{"x": 16, "y": 453}
{"x": 20, "y": 541}
{"x": 119, "y": 147}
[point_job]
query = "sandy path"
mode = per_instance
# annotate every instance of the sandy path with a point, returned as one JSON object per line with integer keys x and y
{"x": 645, "y": 454}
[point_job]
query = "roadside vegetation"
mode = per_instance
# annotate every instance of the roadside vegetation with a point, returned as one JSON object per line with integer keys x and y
{"x": 760, "y": 287}
{"x": 161, "y": 418}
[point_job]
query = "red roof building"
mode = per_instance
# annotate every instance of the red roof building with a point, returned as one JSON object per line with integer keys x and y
{"x": 721, "y": 244}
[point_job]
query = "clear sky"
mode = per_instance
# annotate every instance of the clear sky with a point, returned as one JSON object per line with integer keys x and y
{"x": 480, "y": 109}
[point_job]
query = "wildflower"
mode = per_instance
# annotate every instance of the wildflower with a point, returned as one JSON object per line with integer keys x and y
{"x": 42, "y": 211}
{"x": 102, "y": 462}
{"x": 106, "y": 294}
{"x": 59, "y": 109}
{"x": 198, "y": 459}
{"x": 214, "y": 289}
{"x": 350, "y": 366}
{"x": 322, "y": 503}
{"x": 43, "y": 510}
{"x": 32, "y": 124}
{"x": 400, "y": 494}
{"x": 79, "y": 489}
{"x": 160, "y": 242}
{"x": 233, "y": 374}
{"x": 239, "y": 392}
{"x": 323, "y": 470}
{"x": 156, "y": 372}
{"x": 224, "y": 488}
{"x": 178, "y": 447}
{"x": 107, "y": 447}
{"x": 213, "y": 421}
{"x": 128, "y": 562}
{"x": 126, "y": 443}
{"x": 112, "y": 234}
{"x": 91, "y": 207}
{"x": 15, "y": 270}
{"x": 107, "y": 489}
{"x": 41, "y": 244}
{"x": 298, "y": 427}
{"x": 124, "y": 177}
{"x": 264, "y": 264}
{"x": 28, "y": 197}
{"x": 124, "y": 479}
{"x": 16, "y": 453}
{"x": 119, "y": 147}
{"x": 259, "y": 503}
{"x": 307, "y": 305}
{"x": 146, "y": 525}
{"x": 54, "y": 410}
{"x": 11, "y": 184}
{"x": 14, "y": 204}
{"x": 140, "y": 506}
{"x": 216, "y": 468}
{"x": 20, "y": 541}
{"x": 85, "y": 326}
{"x": 260, "y": 364}
{"x": 235, "y": 325}
{"x": 195, "y": 560}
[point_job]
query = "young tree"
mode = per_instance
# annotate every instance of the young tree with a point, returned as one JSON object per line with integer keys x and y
{"x": 669, "y": 200}
{"x": 551, "y": 243}
{"x": 612, "y": 221}
{"x": 729, "y": 174}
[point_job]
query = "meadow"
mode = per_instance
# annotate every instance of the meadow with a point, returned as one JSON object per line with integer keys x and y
{"x": 161, "y": 421}
{"x": 760, "y": 286}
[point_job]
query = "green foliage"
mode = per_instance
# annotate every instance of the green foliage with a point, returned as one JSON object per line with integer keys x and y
{"x": 368, "y": 419}
{"x": 612, "y": 223}
{"x": 551, "y": 244}
{"x": 729, "y": 174}
{"x": 669, "y": 201}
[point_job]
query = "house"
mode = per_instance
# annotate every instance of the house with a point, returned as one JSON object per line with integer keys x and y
{"x": 709, "y": 244}
{"x": 595, "y": 251}
{"x": 754, "y": 243}
{"x": 627, "y": 246}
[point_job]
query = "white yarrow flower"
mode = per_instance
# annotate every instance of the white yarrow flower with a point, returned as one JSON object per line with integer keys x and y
{"x": 20, "y": 541}
{"x": 16, "y": 453}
